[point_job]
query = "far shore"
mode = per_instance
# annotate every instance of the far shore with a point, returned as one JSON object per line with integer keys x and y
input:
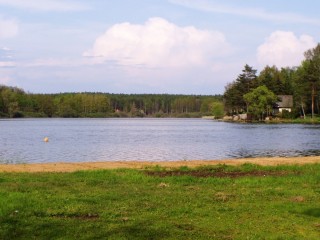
{"x": 79, "y": 166}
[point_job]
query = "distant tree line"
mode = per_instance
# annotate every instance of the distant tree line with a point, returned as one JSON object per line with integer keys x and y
{"x": 15, "y": 102}
{"x": 302, "y": 82}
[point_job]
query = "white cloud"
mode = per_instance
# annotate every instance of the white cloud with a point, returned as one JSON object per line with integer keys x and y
{"x": 284, "y": 49}
{"x": 6, "y": 64}
{"x": 45, "y": 5}
{"x": 257, "y": 13}
{"x": 5, "y": 49}
{"x": 57, "y": 62}
{"x": 8, "y": 28}
{"x": 52, "y": 62}
{"x": 158, "y": 43}
{"x": 6, "y": 58}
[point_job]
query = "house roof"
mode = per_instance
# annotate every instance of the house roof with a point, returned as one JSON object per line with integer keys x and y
{"x": 286, "y": 101}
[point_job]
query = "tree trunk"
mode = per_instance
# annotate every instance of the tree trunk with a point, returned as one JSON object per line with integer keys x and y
{"x": 302, "y": 108}
{"x": 312, "y": 97}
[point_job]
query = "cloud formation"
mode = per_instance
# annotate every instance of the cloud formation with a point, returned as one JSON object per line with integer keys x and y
{"x": 158, "y": 43}
{"x": 7, "y": 64}
{"x": 284, "y": 49}
{"x": 257, "y": 13}
{"x": 8, "y": 28}
{"x": 6, "y": 58}
{"x": 45, "y": 5}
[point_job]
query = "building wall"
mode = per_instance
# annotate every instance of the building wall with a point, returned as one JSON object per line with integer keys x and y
{"x": 284, "y": 109}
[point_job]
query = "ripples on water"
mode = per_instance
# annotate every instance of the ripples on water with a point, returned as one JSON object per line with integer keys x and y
{"x": 77, "y": 140}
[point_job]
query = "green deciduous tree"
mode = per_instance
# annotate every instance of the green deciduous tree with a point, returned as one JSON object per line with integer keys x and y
{"x": 260, "y": 101}
{"x": 10, "y": 97}
{"x": 301, "y": 89}
{"x": 217, "y": 109}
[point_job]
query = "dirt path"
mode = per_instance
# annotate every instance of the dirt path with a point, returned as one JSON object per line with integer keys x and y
{"x": 71, "y": 167}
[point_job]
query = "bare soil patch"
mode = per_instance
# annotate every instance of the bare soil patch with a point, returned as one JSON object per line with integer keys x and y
{"x": 220, "y": 174}
{"x": 88, "y": 216}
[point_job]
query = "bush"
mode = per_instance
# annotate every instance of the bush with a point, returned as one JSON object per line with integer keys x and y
{"x": 217, "y": 109}
{"x": 17, "y": 114}
{"x": 287, "y": 115}
{"x": 119, "y": 115}
{"x": 3, "y": 115}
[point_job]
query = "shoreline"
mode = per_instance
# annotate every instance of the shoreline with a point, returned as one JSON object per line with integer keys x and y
{"x": 79, "y": 166}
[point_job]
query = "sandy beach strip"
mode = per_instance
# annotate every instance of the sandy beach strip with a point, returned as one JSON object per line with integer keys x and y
{"x": 77, "y": 166}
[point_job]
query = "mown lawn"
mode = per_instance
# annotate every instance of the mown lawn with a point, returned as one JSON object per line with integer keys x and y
{"x": 217, "y": 202}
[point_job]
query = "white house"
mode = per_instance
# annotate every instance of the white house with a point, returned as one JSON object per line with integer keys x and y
{"x": 285, "y": 103}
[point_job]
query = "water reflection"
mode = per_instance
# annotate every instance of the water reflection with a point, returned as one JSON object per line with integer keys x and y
{"x": 74, "y": 140}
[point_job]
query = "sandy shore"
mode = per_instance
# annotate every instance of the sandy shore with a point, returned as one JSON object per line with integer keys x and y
{"x": 76, "y": 166}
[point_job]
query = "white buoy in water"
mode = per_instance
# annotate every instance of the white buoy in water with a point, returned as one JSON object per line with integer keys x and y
{"x": 46, "y": 139}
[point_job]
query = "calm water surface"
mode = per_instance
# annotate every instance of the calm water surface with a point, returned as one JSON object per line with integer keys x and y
{"x": 79, "y": 140}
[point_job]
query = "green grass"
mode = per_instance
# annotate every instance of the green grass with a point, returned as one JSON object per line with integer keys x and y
{"x": 129, "y": 204}
{"x": 307, "y": 120}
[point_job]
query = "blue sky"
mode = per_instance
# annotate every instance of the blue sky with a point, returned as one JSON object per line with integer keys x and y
{"x": 149, "y": 46}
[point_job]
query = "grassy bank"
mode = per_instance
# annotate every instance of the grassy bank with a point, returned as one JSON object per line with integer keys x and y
{"x": 217, "y": 202}
{"x": 307, "y": 120}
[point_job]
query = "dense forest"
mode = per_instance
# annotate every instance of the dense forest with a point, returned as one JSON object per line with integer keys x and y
{"x": 15, "y": 102}
{"x": 256, "y": 94}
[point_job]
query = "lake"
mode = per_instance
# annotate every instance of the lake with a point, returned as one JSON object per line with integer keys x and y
{"x": 88, "y": 140}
